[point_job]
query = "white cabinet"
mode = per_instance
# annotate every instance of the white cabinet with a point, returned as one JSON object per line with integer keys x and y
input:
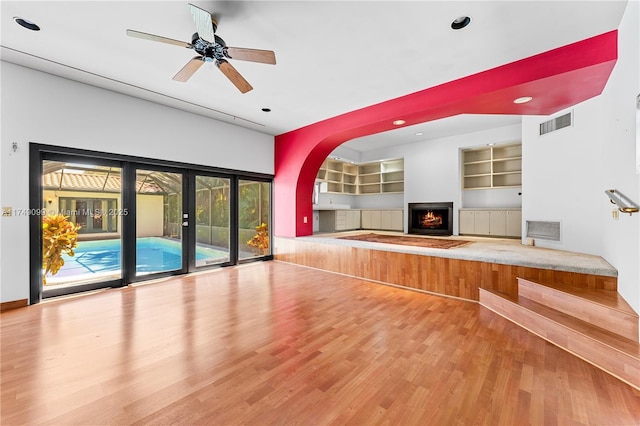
{"x": 498, "y": 223}
{"x": 514, "y": 223}
{"x": 466, "y": 225}
{"x": 371, "y": 219}
{"x": 352, "y": 219}
{"x": 339, "y": 220}
{"x": 390, "y": 220}
{"x": 482, "y": 222}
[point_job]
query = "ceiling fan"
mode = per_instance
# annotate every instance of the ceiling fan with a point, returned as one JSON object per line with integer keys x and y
{"x": 211, "y": 48}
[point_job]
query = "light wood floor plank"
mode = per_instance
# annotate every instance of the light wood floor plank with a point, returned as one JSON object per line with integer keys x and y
{"x": 274, "y": 343}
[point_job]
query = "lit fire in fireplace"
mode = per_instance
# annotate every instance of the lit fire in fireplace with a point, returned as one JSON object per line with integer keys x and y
{"x": 431, "y": 220}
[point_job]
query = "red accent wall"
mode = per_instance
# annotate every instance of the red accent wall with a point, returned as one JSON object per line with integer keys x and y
{"x": 556, "y": 79}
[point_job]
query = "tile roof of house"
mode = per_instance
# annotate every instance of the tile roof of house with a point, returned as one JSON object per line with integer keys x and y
{"x": 96, "y": 181}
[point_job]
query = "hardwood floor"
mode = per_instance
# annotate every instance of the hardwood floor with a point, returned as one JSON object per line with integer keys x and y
{"x": 274, "y": 343}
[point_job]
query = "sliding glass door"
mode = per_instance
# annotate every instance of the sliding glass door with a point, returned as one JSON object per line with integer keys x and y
{"x": 80, "y": 223}
{"x": 105, "y": 220}
{"x": 160, "y": 217}
{"x": 211, "y": 244}
{"x": 254, "y": 218}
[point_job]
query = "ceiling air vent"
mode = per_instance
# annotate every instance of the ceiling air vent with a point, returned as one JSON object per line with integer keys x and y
{"x": 557, "y": 123}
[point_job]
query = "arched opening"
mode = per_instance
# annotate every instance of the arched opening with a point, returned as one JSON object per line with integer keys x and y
{"x": 556, "y": 79}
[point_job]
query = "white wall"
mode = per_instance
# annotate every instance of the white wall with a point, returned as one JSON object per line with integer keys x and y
{"x": 565, "y": 173}
{"x": 346, "y": 154}
{"x": 621, "y": 238}
{"x": 149, "y": 215}
{"x": 502, "y": 197}
{"x": 41, "y": 108}
{"x": 432, "y": 169}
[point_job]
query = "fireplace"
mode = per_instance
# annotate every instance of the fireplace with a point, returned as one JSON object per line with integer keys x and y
{"x": 431, "y": 218}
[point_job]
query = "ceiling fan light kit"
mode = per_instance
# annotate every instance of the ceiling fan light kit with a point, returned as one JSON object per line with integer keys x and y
{"x": 211, "y": 48}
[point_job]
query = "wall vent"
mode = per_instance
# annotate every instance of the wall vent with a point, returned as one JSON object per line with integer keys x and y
{"x": 565, "y": 120}
{"x": 543, "y": 230}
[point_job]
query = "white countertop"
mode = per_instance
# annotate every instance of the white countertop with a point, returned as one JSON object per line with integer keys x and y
{"x": 492, "y": 208}
{"x": 348, "y": 207}
{"x": 331, "y": 207}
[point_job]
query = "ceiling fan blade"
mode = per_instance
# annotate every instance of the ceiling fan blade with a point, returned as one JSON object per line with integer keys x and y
{"x": 252, "y": 55}
{"x": 233, "y": 75}
{"x": 204, "y": 23}
{"x": 188, "y": 70}
{"x": 138, "y": 34}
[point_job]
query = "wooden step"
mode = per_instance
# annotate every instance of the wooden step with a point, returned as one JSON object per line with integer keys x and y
{"x": 603, "y": 308}
{"x": 608, "y": 351}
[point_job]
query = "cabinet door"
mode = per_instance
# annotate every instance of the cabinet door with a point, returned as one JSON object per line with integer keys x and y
{"x": 356, "y": 219}
{"x": 365, "y": 219}
{"x": 397, "y": 222}
{"x": 385, "y": 219}
{"x": 466, "y": 222}
{"x": 327, "y": 221}
{"x": 482, "y": 222}
{"x": 371, "y": 219}
{"x": 353, "y": 219}
{"x": 498, "y": 223}
{"x": 341, "y": 220}
{"x": 514, "y": 224}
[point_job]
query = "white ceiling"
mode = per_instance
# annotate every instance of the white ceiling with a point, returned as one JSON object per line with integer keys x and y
{"x": 332, "y": 56}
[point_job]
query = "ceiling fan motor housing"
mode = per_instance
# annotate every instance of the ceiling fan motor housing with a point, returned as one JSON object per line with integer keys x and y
{"x": 209, "y": 51}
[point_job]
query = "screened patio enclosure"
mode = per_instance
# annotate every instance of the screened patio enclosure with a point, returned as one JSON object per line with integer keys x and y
{"x": 91, "y": 198}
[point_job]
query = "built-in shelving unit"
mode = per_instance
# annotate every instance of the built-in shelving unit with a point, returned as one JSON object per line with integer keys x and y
{"x": 380, "y": 177}
{"x": 498, "y": 166}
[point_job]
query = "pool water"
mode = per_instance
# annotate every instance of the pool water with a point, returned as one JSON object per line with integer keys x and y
{"x": 153, "y": 254}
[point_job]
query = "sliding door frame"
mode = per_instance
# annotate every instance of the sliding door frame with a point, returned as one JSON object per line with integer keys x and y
{"x": 129, "y": 164}
{"x": 233, "y": 219}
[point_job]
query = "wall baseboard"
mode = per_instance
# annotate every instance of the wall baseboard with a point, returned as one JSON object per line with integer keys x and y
{"x": 5, "y": 306}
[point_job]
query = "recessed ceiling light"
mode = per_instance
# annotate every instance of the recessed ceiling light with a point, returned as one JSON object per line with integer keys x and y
{"x": 419, "y": 134}
{"x": 522, "y": 100}
{"x": 266, "y": 109}
{"x": 399, "y": 122}
{"x": 26, "y": 23}
{"x": 460, "y": 23}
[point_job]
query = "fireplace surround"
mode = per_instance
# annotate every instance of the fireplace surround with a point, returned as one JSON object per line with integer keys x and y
{"x": 430, "y": 218}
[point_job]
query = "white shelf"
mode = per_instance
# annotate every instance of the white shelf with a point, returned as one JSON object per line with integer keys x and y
{"x": 380, "y": 177}
{"x": 489, "y": 167}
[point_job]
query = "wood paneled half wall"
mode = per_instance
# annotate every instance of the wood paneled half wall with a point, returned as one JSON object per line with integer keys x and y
{"x": 441, "y": 275}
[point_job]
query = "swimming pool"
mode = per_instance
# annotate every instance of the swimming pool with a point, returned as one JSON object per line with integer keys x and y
{"x": 153, "y": 254}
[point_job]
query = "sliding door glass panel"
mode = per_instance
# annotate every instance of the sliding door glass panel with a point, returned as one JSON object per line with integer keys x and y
{"x": 254, "y": 208}
{"x": 212, "y": 220}
{"x": 159, "y": 218}
{"x": 81, "y": 224}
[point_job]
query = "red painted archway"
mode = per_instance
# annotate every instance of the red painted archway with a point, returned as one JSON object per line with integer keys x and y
{"x": 555, "y": 79}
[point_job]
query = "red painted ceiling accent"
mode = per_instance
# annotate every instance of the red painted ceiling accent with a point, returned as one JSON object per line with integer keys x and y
{"x": 556, "y": 79}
